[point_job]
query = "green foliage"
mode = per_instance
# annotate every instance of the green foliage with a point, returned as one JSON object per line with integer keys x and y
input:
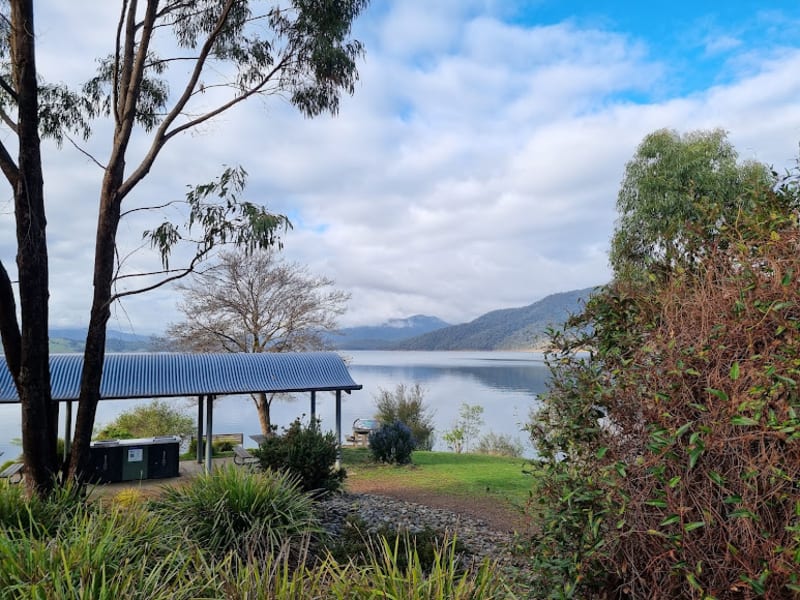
{"x": 669, "y": 453}
{"x": 407, "y": 405}
{"x": 102, "y": 555}
{"x": 499, "y": 445}
{"x": 307, "y": 454}
{"x": 465, "y": 429}
{"x": 218, "y": 448}
{"x": 216, "y": 209}
{"x": 204, "y": 540}
{"x": 151, "y": 420}
{"x": 36, "y": 516}
{"x": 680, "y": 192}
{"x": 392, "y": 443}
{"x": 235, "y": 509}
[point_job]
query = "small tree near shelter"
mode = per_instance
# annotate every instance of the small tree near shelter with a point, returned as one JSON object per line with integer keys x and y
{"x": 257, "y": 303}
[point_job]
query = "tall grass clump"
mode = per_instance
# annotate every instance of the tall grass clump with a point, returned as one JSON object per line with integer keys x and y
{"x": 98, "y": 554}
{"x": 37, "y": 515}
{"x": 394, "y": 570}
{"x": 235, "y": 509}
{"x": 387, "y": 571}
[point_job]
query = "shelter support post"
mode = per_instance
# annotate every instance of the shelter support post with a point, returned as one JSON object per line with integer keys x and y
{"x": 209, "y": 430}
{"x": 339, "y": 429}
{"x": 313, "y": 406}
{"x": 199, "y": 438}
{"x": 67, "y": 430}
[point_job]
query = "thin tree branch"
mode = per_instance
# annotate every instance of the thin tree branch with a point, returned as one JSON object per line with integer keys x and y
{"x": 8, "y": 166}
{"x": 6, "y": 118}
{"x": 84, "y": 152}
{"x": 160, "y": 206}
{"x": 115, "y": 70}
{"x": 8, "y": 89}
{"x": 159, "y": 139}
{"x": 188, "y": 270}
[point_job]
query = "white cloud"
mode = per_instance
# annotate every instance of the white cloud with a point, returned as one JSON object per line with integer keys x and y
{"x": 475, "y": 168}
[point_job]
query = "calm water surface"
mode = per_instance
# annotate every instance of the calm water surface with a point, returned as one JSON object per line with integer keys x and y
{"x": 506, "y": 384}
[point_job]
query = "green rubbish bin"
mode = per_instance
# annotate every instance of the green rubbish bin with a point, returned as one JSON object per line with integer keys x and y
{"x": 134, "y": 459}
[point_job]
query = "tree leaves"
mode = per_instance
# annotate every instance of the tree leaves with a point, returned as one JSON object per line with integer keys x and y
{"x": 222, "y": 218}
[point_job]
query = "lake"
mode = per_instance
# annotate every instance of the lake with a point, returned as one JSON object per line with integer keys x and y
{"x": 506, "y": 384}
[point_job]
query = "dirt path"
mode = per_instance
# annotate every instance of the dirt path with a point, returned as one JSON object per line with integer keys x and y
{"x": 496, "y": 513}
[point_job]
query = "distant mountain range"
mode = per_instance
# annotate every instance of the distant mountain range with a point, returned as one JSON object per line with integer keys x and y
{"x": 74, "y": 339}
{"x": 507, "y": 329}
{"x": 382, "y": 337}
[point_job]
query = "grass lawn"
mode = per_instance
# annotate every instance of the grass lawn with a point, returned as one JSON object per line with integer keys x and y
{"x": 447, "y": 473}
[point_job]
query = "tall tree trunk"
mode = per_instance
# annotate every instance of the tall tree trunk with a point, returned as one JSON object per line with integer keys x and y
{"x": 39, "y": 413}
{"x": 133, "y": 58}
{"x": 94, "y": 353}
{"x": 263, "y": 403}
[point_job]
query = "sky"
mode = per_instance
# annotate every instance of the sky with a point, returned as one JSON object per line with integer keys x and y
{"x": 477, "y": 164}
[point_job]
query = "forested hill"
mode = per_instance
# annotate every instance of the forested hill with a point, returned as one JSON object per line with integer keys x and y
{"x": 383, "y": 337}
{"x": 73, "y": 340}
{"x": 507, "y": 329}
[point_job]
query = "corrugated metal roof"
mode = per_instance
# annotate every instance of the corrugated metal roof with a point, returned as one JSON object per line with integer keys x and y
{"x": 143, "y": 375}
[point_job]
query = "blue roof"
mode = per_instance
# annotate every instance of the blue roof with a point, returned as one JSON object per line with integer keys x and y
{"x": 150, "y": 375}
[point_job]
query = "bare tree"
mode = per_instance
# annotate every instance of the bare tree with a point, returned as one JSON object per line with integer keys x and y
{"x": 298, "y": 50}
{"x": 257, "y": 303}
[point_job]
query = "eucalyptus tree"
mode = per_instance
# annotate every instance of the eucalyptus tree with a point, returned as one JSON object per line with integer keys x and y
{"x": 257, "y": 303}
{"x": 165, "y": 55}
{"x": 678, "y": 191}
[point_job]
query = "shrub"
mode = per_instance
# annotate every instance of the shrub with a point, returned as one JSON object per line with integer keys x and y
{"x": 499, "y": 445}
{"x": 235, "y": 509}
{"x": 407, "y": 405}
{"x": 670, "y": 454}
{"x": 392, "y": 443}
{"x": 466, "y": 428}
{"x": 307, "y": 454}
{"x": 154, "y": 419}
{"x": 217, "y": 448}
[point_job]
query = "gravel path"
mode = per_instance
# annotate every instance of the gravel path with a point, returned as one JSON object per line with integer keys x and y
{"x": 495, "y": 513}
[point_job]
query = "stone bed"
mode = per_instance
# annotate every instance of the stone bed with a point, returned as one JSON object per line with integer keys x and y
{"x": 480, "y": 540}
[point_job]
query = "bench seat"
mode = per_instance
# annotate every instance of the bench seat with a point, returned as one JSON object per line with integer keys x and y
{"x": 241, "y": 456}
{"x": 12, "y": 472}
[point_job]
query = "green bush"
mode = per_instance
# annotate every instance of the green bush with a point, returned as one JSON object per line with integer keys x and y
{"x": 217, "y": 448}
{"x": 670, "y": 452}
{"x": 307, "y": 454}
{"x": 235, "y": 509}
{"x": 499, "y": 445}
{"x": 150, "y": 420}
{"x": 407, "y": 405}
{"x": 392, "y": 443}
{"x": 87, "y": 553}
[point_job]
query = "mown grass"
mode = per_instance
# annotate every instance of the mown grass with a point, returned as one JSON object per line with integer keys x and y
{"x": 465, "y": 475}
